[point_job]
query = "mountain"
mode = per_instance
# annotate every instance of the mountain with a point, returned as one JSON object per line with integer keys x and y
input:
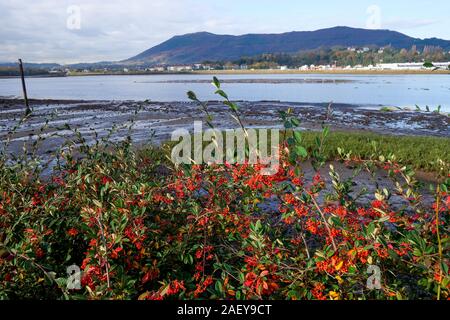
{"x": 202, "y": 46}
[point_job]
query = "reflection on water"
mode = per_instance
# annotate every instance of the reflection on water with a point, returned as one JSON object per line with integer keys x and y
{"x": 263, "y": 80}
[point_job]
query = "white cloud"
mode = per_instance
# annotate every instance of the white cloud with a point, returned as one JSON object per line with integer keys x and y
{"x": 110, "y": 30}
{"x": 36, "y": 30}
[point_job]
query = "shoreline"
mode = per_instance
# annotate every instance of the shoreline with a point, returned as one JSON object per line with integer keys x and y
{"x": 165, "y": 116}
{"x": 249, "y": 72}
{"x": 331, "y": 72}
{"x": 354, "y": 126}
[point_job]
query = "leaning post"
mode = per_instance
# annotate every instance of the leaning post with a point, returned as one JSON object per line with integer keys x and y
{"x": 24, "y": 88}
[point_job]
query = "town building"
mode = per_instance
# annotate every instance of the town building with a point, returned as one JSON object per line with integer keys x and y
{"x": 180, "y": 68}
{"x": 411, "y": 66}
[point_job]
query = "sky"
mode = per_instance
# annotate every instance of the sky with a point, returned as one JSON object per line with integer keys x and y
{"x": 69, "y": 31}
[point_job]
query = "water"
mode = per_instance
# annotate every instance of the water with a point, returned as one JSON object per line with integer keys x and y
{"x": 386, "y": 90}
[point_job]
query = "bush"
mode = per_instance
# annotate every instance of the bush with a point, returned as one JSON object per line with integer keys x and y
{"x": 141, "y": 228}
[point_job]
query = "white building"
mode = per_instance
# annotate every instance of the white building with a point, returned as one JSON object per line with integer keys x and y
{"x": 304, "y": 68}
{"x": 326, "y": 67}
{"x": 442, "y": 65}
{"x": 156, "y": 69}
{"x": 179, "y": 68}
{"x": 411, "y": 66}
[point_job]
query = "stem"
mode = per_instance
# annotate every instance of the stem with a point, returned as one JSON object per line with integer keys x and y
{"x": 205, "y": 234}
{"x": 106, "y": 252}
{"x": 34, "y": 263}
{"x": 306, "y": 246}
{"x": 325, "y": 221}
{"x": 438, "y": 191}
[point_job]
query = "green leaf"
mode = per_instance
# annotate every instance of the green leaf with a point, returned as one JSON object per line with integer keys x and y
{"x": 295, "y": 122}
{"x": 352, "y": 270}
{"x": 219, "y": 286}
{"x": 216, "y": 82}
{"x": 298, "y": 136}
{"x": 222, "y": 94}
{"x": 301, "y": 151}
{"x": 232, "y": 106}
{"x": 326, "y": 131}
{"x": 290, "y": 141}
{"x": 370, "y": 229}
{"x": 97, "y": 203}
{"x": 318, "y": 142}
{"x": 444, "y": 267}
{"x": 336, "y": 221}
{"x": 191, "y": 96}
{"x": 287, "y": 125}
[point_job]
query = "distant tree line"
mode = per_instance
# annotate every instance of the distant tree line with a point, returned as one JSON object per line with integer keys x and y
{"x": 341, "y": 57}
{"x": 14, "y": 72}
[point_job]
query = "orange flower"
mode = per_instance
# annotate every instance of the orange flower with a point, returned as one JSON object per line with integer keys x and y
{"x": 438, "y": 277}
{"x": 72, "y": 232}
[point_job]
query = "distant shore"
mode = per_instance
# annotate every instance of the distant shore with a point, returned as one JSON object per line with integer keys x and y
{"x": 245, "y": 72}
{"x": 343, "y": 71}
{"x": 269, "y": 71}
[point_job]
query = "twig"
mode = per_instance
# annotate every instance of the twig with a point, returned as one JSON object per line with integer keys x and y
{"x": 438, "y": 191}
{"x": 306, "y": 246}
{"x": 324, "y": 220}
{"x": 106, "y": 253}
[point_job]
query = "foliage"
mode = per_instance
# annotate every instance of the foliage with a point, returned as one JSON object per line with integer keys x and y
{"x": 14, "y": 72}
{"x": 421, "y": 153}
{"x": 141, "y": 228}
{"x": 340, "y": 56}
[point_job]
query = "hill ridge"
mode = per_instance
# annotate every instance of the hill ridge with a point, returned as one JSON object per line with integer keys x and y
{"x": 201, "y": 46}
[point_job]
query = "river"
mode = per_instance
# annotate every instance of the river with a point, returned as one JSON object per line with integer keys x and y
{"x": 375, "y": 90}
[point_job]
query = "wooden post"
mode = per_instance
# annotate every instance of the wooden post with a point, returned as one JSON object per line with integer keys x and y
{"x": 24, "y": 88}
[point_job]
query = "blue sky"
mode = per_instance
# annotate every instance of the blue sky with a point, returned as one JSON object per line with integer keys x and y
{"x": 416, "y": 18}
{"x": 94, "y": 30}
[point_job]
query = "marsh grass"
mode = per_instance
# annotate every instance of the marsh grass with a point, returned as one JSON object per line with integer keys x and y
{"x": 418, "y": 152}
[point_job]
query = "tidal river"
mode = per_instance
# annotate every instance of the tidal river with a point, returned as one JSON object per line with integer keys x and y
{"x": 362, "y": 90}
